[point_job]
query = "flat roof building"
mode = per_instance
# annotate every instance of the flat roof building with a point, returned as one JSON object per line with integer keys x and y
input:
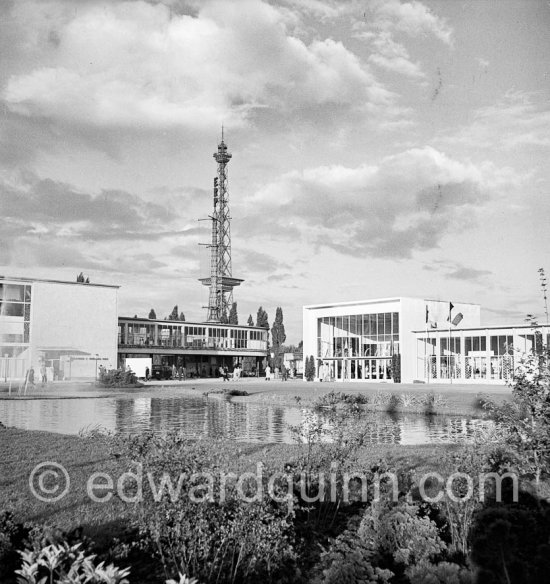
{"x": 412, "y": 339}
{"x": 198, "y": 346}
{"x": 68, "y": 328}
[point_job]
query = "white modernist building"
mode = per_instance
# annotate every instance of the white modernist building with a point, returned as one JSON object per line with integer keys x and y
{"x": 68, "y": 328}
{"x": 412, "y": 339}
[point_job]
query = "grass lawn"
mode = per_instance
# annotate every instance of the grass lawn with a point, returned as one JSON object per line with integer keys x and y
{"x": 22, "y": 450}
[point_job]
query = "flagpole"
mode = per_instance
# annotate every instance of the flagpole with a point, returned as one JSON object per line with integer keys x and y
{"x": 449, "y": 365}
{"x": 428, "y": 369}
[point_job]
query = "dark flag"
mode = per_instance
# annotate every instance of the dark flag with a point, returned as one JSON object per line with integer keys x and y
{"x": 451, "y": 306}
{"x": 427, "y": 314}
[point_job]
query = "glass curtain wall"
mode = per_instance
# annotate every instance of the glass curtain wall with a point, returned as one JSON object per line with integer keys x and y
{"x": 15, "y": 316}
{"x": 357, "y": 346}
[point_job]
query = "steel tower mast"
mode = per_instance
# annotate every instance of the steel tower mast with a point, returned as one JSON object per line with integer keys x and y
{"x": 221, "y": 281}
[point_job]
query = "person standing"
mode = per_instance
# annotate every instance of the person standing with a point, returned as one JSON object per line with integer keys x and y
{"x": 43, "y": 377}
{"x": 268, "y": 373}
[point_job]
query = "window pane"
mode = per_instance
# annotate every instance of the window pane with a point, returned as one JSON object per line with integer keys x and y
{"x": 11, "y": 309}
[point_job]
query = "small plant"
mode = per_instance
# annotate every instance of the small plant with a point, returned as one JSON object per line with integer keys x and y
{"x": 64, "y": 564}
{"x": 432, "y": 401}
{"x": 408, "y": 400}
{"x": 183, "y": 579}
{"x": 393, "y": 404}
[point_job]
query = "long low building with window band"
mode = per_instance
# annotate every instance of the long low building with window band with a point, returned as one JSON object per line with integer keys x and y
{"x": 199, "y": 347}
{"x": 413, "y": 339}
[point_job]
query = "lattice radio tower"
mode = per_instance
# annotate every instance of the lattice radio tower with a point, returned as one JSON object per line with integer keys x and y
{"x": 220, "y": 281}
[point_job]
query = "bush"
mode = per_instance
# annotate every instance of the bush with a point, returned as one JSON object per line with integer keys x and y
{"x": 119, "y": 378}
{"x": 393, "y": 404}
{"x": 12, "y": 536}
{"x": 442, "y": 573}
{"x": 207, "y": 530}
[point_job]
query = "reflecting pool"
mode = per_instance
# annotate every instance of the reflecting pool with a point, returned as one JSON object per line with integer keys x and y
{"x": 217, "y": 417}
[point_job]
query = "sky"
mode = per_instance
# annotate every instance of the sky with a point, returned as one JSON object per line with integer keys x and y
{"x": 380, "y": 148}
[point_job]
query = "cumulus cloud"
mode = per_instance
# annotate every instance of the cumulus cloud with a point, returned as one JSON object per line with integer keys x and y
{"x": 412, "y": 18}
{"x": 386, "y": 19}
{"x": 50, "y": 223}
{"x": 140, "y": 64}
{"x": 394, "y": 56}
{"x": 405, "y": 203}
{"x": 516, "y": 119}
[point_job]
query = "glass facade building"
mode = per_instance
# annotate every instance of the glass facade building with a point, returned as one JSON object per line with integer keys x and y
{"x": 414, "y": 340}
{"x": 199, "y": 347}
{"x": 357, "y": 346}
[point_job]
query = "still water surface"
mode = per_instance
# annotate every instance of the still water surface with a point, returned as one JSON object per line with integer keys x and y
{"x": 216, "y": 417}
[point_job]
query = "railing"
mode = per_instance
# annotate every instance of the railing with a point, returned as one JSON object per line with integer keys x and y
{"x": 499, "y": 368}
{"x": 196, "y": 344}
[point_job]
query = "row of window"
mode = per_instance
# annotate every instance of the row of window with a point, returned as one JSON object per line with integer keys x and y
{"x": 368, "y": 325}
{"x": 499, "y": 344}
{"x": 174, "y": 331}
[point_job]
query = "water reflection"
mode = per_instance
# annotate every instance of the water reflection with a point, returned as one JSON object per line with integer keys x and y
{"x": 199, "y": 416}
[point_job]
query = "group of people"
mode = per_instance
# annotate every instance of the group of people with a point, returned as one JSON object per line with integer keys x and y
{"x": 30, "y": 376}
{"x": 224, "y": 372}
{"x": 179, "y": 372}
{"x": 275, "y": 374}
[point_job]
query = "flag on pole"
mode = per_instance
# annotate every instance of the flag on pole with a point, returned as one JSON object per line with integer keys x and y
{"x": 451, "y": 306}
{"x": 427, "y": 314}
{"x": 457, "y": 319}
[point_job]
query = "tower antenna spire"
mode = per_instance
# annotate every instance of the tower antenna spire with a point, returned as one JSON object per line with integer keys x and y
{"x": 221, "y": 281}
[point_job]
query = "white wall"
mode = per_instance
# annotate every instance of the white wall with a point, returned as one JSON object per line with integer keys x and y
{"x": 82, "y": 317}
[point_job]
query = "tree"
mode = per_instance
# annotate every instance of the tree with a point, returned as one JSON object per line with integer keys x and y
{"x": 182, "y": 317}
{"x": 152, "y": 314}
{"x": 250, "y": 320}
{"x": 278, "y": 335}
{"x": 309, "y": 369}
{"x": 174, "y": 313}
{"x": 233, "y": 316}
{"x": 262, "y": 319}
{"x": 224, "y": 319}
{"x": 80, "y": 277}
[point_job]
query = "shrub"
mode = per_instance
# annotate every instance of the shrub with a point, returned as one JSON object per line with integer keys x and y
{"x": 206, "y": 530}
{"x": 119, "y": 378}
{"x": 350, "y": 560}
{"x": 12, "y": 536}
{"x": 432, "y": 401}
{"x": 393, "y": 404}
{"x": 512, "y": 540}
{"x": 526, "y": 418}
{"x": 442, "y": 573}
{"x": 309, "y": 371}
{"x": 400, "y": 532}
